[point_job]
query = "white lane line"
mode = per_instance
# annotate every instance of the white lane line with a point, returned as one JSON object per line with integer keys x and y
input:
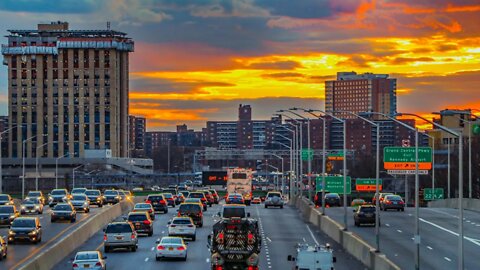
{"x": 451, "y": 232}
{"x": 400, "y": 231}
{"x": 478, "y": 225}
{"x": 429, "y": 247}
{"x": 409, "y": 215}
{"x": 208, "y": 260}
{"x": 146, "y": 259}
{"x": 153, "y": 248}
{"x": 448, "y": 259}
{"x": 313, "y": 236}
{"x": 388, "y": 225}
{"x": 269, "y": 240}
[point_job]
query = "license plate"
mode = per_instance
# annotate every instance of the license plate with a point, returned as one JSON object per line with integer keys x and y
{"x": 170, "y": 248}
{"x": 369, "y": 215}
{"x": 119, "y": 237}
{"x": 394, "y": 202}
{"x": 155, "y": 203}
{"x": 86, "y": 265}
{"x": 180, "y": 230}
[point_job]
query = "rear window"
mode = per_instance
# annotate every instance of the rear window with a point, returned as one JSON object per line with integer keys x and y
{"x": 332, "y": 196}
{"x": 181, "y": 221}
{"x": 63, "y": 207}
{"x": 23, "y": 223}
{"x": 270, "y": 195}
{"x": 33, "y": 194}
{"x": 168, "y": 195}
{"x": 196, "y": 195}
{"x": 367, "y": 209}
{"x": 189, "y": 208}
{"x": 137, "y": 217}
{"x": 3, "y": 197}
{"x": 92, "y": 192}
{"x": 185, "y": 193}
{"x": 155, "y": 198}
{"x": 230, "y": 212}
{"x": 111, "y": 192}
{"x": 118, "y": 228}
{"x": 79, "y": 198}
{"x": 87, "y": 256}
{"x": 143, "y": 206}
{"x": 6, "y": 209}
{"x": 171, "y": 240}
{"x": 394, "y": 198}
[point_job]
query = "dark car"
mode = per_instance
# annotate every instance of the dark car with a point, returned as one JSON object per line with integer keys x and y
{"x": 63, "y": 211}
{"x": 57, "y": 196}
{"x": 142, "y": 222}
{"x": 112, "y": 196}
{"x": 95, "y": 197}
{"x": 8, "y": 213}
{"x": 36, "y": 195}
{"x": 6, "y": 199}
{"x": 392, "y": 202}
{"x": 169, "y": 198}
{"x": 192, "y": 210}
{"x": 332, "y": 199}
{"x": 158, "y": 203}
{"x": 25, "y": 228}
{"x": 199, "y": 195}
{"x": 3, "y": 249}
{"x": 31, "y": 205}
{"x": 235, "y": 198}
{"x": 209, "y": 196}
{"x": 365, "y": 214}
{"x": 179, "y": 198}
{"x": 216, "y": 198}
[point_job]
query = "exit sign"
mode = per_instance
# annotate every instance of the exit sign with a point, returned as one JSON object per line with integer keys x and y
{"x": 368, "y": 184}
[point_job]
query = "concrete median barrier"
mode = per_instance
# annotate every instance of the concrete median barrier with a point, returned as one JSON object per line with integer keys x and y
{"x": 52, "y": 255}
{"x": 469, "y": 204}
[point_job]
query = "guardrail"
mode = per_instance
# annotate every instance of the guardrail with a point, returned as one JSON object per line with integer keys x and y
{"x": 52, "y": 255}
{"x": 469, "y": 204}
{"x": 352, "y": 243}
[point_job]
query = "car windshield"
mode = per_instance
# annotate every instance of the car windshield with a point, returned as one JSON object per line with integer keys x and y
{"x": 155, "y": 198}
{"x": 193, "y": 200}
{"x": 171, "y": 240}
{"x": 196, "y": 195}
{"x": 78, "y": 190}
{"x": 270, "y": 195}
{"x": 30, "y": 201}
{"x": 111, "y": 192}
{"x": 33, "y": 194}
{"x": 79, "y": 198}
{"x": 167, "y": 195}
{"x": 63, "y": 207}
{"x": 92, "y": 192}
{"x": 58, "y": 192}
{"x": 332, "y": 196}
{"x": 137, "y": 217}
{"x": 185, "y": 193}
{"x": 3, "y": 198}
{"x": 181, "y": 221}
{"x": 143, "y": 206}
{"x": 394, "y": 198}
{"x": 189, "y": 208}
{"x": 6, "y": 209}
{"x": 171, "y": 191}
{"x": 229, "y": 212}
{"x": 118, "y": 228}
{"x": 87, "y": 256}
{"x": 367, "y": 209}
{"x": 23, "y": 223}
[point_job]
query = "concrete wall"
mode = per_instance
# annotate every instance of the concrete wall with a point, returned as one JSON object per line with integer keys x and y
{"x": 469, "y": 204}
{"x": 54, "y": 254}
{"x": 352, "y": 243}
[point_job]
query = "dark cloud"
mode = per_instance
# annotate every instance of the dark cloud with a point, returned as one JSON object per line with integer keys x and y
{"x": 148, "y": 85}
{"x": 50, "y": 6}
{"x": 276, "y": 65}
{"x": 447, "y": 47}
{"x": 297, "y": 9}
{"x": 284, "y": 75}
{"x": 406, "y": 60}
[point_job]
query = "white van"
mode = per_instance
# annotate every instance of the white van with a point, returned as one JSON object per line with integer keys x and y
{"x": 313, "y": 258}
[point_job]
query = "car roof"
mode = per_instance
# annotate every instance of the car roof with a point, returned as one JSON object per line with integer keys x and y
{"x": 26, "y": 218}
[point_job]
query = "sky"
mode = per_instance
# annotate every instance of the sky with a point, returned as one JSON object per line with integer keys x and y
{"x": 197, "y": 60}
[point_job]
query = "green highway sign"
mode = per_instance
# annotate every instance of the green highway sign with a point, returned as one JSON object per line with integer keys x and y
{"x": 428, "y": 195}
{"x": 406, "y": 154}
{"x": 307, "y": 154}
{"x": 476, "y": 129}
{"x": 335, "y": 156}
{"x": 334, "y": 184}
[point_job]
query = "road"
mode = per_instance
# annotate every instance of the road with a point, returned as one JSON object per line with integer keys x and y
{"x": 281, "y": 228}
{"x": 21, "y": 252}
{"x": 438, "y": 232}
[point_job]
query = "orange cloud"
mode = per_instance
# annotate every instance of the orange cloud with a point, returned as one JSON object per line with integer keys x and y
{"x": 452, "y": 8}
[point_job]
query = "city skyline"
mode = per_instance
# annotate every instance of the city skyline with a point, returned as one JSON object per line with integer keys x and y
{"x": 287, "y": 51}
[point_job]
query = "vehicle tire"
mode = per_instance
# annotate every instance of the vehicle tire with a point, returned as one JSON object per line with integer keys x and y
{"x": 133, "y": 249}
{"x": 106, "y": 249}
{"x": 165, "y": 212}
{"x": 403, "y": 209}
{"x": 194, "y": 237}
{"x": 201, "y": 225}
{"x": 157, "y": 258}
{"x": 100, "y": 205}
{"x": 357, "y": 224}
{"x": 184, "y": 259}
{"x": 73, "y": 220}
{"x": 150, "y": 233}
{"x": 40, "y": 213}
{"x": 281, "y": 206}
{"x": 52, "y": 220}
{"x": 266, "y": 206}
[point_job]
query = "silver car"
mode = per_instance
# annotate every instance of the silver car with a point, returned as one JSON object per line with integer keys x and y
{"x": 89, "y": 260}
{"x": 274, "y": 199}
{"x": 80, "y": 202}
{"x": 120, "y": 235}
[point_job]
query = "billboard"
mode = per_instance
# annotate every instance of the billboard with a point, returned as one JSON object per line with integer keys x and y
{"x": 214, "y": 178}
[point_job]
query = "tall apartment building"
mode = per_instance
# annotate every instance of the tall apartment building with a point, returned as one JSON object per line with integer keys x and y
{"x": 456, "y": 120}
{"x": 136, "y": 132}
{"x": 69, "y": 85}
{"x": 361, "y": 93}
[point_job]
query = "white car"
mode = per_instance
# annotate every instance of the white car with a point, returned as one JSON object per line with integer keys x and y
{"x": 89, "y": 260}
{"x": 81, "y": 202}
{"x": 171, "y": 247}
{"x": 182, "y": 227}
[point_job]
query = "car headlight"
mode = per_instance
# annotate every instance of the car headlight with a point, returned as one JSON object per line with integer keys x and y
{"x": 12, "y": 216}
{"x": 64, "y": 198}
{"x": 23, "y": 207}
{"x": 217, "y": 259}
{"x": 32, "y": 233}
{"x": 11, "y": 233}
{"x": 50, "y": 198}
{"x": 37, "y": 206}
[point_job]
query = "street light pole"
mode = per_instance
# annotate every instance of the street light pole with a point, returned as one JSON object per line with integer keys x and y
{"x": 74, "y": 169}
{"x": 283, "y": 176}
{"x": 291, "y": 154}
{"x": 36, "y": 165}
{"x": 23, "y": 163}
{"x": 56, "y": 169}
{"x": 295, "y": 151}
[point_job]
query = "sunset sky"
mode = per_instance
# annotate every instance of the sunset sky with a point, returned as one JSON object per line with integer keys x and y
{"x": 196, "y": 60}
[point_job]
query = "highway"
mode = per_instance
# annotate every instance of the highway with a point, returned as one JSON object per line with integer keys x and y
{"x": 281, "y": 229}
{"x": 22, "y": 252}
{"x": 438, "y": 231}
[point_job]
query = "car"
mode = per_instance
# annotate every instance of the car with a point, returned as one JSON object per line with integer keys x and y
{"x": 6, "y": 199}
{"x": 209, "y": 197}
{"x": 185, "y": 193}
{"x": 235, "y": 198}
{"x": 256, "y": 200}
{"x": 80, "y": 202}
{"x": 192, "y": 210}
{"x": 126, "y": 194}
{"x": 120, "y": 234}
{"x": 32, "y": 205}
{"x": 8, "y": 213}
{"x": 78, "y": 191}
{"x": 182, "y": 227}
{"x": 317, "y": 199}
{"x": 3, "y": 248}
{"x": 122, "y": 194}
{"x": 169, "y": 198}
{"x": 364, "y": 214}
{"x": 36, "y": 195}
{"x": 170, "y": 189}
{"x": 171, "y": 247}
{"x": 381, "y": 196}
{"x": 112, "y": 196}
{"x": 357, "y": 202}
{"x": 195, "y": 200}
{"x": 25, "y": 228}
{"x": 142, "y": 222}
{"x": 158, "y": 202}
{"x": 216, "y": 198}
{"x": 58, "y": 196}
{"x": 179, "y": 198}
{"x": 274, "y": 198}
{"x": 155, "y": 188}
{"x": 144, "y": 207}
{"x": 89, "y": 260}
{"x": 201, "y": 196}
{"x": 95, "y": 197}
{"x": 332, "y": 199}
{"x": 392, "y": 202}
{"x": 63, "y": 211}
{"x": 136, "y": 189}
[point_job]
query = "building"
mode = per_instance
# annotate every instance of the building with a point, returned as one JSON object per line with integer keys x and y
{"x": 69, "y": 90}
{"x": 457, "y": 120}
{"x": 136, "y": 132}
{"x": 157, "y": 139}
{"x": 357, "y": 93}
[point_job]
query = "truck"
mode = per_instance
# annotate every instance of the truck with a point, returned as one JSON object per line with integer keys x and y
{"x": 235, "y": 241}
{"x": 239, "y": 180}
{"x": 313, "y": 257}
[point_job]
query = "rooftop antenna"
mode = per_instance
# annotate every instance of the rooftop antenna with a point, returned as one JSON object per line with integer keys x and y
{"x": 108, "y": 25}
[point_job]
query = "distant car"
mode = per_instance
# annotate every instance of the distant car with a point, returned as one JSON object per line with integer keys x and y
{"x": 155, "y": 188}
{"x": 32, "y": 205}
{"x": 63, "y": 211}
{"x": 235, "y": 198}
{"x": 142, "y": 222}
{"x": 58, "y": 196}
{"x": 216, "y": 197}
{"x": 158, "y": 202}
{"x": 36, "y": 195}
{"x": 6, "y": 199}
{"x": 95, "y": 197}
{"x": 3, "y": 249}
{"x": 123, "y": 195}
{"x": 89, "y": 260}
{"x": 144, "y": 207}
{"x": 332, "y": 199}
{"x": 201, "y": 196}
{"x": 169, "y": 198}
{"x": 182, "y": 227}
{"x": 112, "y": 196}
{"x": 209, "y": 196}
{"x": 179, "y": 198}
{"x": 136, "y": 189}
{"x": 8, "y": 213}
{"x": 78, "y": 191}
{"x": 171, "y": 247}
{"x": 392, "y": 202}
{"x": 25, "y": 228}
{"x": 357, "y": 202}
{"x": 192, "y": 210}
{"x": 120, "y": 235}
{"x": 81, "y": 202}
{"x": 365, "y": 214}
{"x": 256, "y": 200}
{"x": 381, "y": 196}
{"x": 274, "y": 199}
{"x": 195, "y": 200}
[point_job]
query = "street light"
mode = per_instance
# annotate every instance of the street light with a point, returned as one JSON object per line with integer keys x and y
{"x": 23, "y": 161}
{"x": 433, "y": 162}
{"x": 460, "y": 184}
{"x": 56, "y": 169}
{"x": 283, "y": 175}
{"x": 36, "y": 163}
{"x": 283, "y": 171}
{"x": 74, "y": 169}
{"x": 298, "y": 146}
{"x": 293, "y": 161}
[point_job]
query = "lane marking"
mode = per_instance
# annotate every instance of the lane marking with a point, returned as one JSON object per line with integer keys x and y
{"x": 269, "y": 240}
{"x": 388, "y": 225}
{"x": 448, "y": 259}
{"x": 313, "y": 236}
{"x": 429, "y": 247}
{"x": 100, "y": 246}
{"x": 451, "y": 232}
{"x": 153, "y": 248}
{"x": 400, "y": 231}
{"x": 146, "y": 259}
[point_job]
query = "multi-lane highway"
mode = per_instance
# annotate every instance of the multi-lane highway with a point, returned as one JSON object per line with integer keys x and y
{"x": 22, "y": 252}
{"x": 438, "y": 231}
{"x": 281, "y": 230}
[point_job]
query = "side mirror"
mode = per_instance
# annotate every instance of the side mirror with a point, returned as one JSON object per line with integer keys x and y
{"x": 334, "y": 259}
{"x": 39, "y": 226}
{"x": 248, "y": 214}
{"x": 169, "y": 222}
{"x": 354, "y": 210}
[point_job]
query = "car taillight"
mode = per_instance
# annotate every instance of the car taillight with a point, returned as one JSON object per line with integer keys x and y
{"x": 315, "y": 198}
{"x": 132, "y": 236}
{"x": 200, "y": 214}
{"x": 180, "y": 248}
{"x": 75, "y": 265}
{"x": 203, "y": 199}
{"x": 150, "y": 210}
{"x": 147, "y": 222}
{"x": 388, "y": 202}
{"x": 161, "y": 248}
{"x": 220, "y": 238}
{"x": 98, "y": 264}
{"x": 162, "y": 201}
{"x": 179, "y": 215}
{"x": 148, "y": 201}
{"x": 219, "y": 267}
{"x": 105, "y": 237}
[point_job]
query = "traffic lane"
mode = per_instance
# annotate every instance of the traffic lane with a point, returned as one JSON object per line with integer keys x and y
{"x": 284, "y": 229}
{"x": 471, "y": 222}
{"x": 21, "y": 252}
{"x": 144, "y": 257}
